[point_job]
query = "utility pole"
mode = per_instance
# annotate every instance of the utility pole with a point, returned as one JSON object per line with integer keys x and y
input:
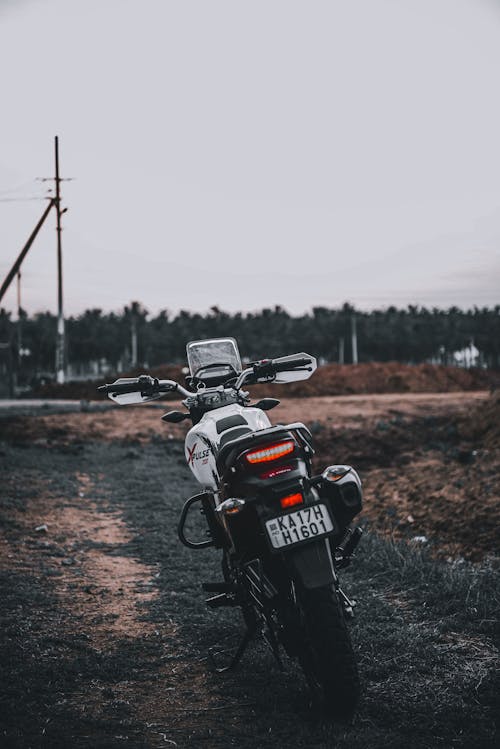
{"x": 341, "y": 349}
{"x": 134, "y": 338}
{"x": 54, "y": 202}
{"x": 134, "y": 319}
{"x": 60, "y": 343}
{"x": 19, "y": 320}
{"x": 354, "y": 339}
{"x": 17, "y": 368}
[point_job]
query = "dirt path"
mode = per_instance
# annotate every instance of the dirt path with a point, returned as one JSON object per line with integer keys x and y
{"x": 71, "y": 554}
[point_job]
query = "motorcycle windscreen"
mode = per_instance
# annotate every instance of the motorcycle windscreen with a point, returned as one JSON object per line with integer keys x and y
{"x": 201, "y": 354}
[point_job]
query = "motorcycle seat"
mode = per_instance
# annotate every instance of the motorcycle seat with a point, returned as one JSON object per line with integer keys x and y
{"x": 232, "y": 447}
{"x": 232, "y": 434}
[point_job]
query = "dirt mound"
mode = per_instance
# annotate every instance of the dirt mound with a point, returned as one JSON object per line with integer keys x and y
{"x": 87, "y": 389}
{"x": 430, "y": 477}
{"x": 331, "y": 379}
{"x": 483, "y": 424}
{"x": 392, "y": 377}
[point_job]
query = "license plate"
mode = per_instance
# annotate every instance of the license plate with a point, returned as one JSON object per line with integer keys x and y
{"x": 309, "y": 522}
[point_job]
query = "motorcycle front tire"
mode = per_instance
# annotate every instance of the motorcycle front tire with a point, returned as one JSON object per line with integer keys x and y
{"x": 329, "y": 659}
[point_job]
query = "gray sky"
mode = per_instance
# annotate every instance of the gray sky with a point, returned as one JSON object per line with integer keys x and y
{"x": 247, "y": 154}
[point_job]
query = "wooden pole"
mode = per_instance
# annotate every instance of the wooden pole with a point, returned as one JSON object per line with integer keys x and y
{"x": 15, "y": 268}
{"x": 354, "y": 339}
{"x": 60, "y": 343}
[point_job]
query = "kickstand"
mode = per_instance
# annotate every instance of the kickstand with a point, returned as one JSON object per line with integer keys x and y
{"x": 245, "y": 640}
{"x": 347, "y": 604}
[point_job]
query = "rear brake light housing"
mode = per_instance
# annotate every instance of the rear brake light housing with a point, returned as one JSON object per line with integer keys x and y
{"x": 269, "y": 453}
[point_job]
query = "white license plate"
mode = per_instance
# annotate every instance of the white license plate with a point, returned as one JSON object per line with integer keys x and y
{"x": 310, "y": 522}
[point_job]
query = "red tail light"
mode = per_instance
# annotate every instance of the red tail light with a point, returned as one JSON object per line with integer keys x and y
{"x": 270, "y": 452}
{"x": 291, "y": 500}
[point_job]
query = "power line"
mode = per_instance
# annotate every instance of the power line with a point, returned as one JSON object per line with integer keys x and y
{"x": 18, "y": 187}
{"x": 24, "y": 200}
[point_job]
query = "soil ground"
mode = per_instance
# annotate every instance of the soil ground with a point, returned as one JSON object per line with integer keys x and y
{"x": 105, "y": 636}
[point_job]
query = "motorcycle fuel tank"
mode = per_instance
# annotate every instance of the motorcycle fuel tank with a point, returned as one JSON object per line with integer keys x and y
{"x": 220, "y": 425}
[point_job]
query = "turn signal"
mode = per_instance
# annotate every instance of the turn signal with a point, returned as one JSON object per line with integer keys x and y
{"x": 271, "y": 452}
{"x": 291, "y": 500}
{"x": 334, "y": 473}
{"x": 231, "y": 506}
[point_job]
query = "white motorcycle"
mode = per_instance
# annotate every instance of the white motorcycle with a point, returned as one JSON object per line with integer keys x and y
{"x": 283, "y": 532}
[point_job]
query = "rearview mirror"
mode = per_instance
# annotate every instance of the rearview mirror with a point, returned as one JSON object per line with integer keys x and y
{"x": 266, "y": 404}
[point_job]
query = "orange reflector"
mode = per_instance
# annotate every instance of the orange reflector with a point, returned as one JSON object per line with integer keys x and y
{"x": 291, "y": 500}
{"x": 271, "y": 452}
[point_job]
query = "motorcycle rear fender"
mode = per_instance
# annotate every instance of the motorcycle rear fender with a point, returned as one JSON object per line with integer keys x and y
{"x": 312, "y": 564}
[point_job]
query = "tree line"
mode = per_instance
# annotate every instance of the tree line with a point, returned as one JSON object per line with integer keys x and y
{"x": 104, "y": 340}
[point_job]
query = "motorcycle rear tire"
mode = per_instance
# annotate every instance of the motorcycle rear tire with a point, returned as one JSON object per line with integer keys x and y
{"x": 330, "y": 661}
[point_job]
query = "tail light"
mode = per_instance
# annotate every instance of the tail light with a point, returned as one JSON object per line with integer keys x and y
{"x": 270, "y": 452}
{"x": 291, "y": 500}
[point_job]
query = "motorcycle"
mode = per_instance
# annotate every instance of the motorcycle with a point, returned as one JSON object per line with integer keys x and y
{"x": 283, "y": 532}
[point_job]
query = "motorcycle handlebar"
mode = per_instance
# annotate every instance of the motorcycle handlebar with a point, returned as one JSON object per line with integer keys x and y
{"x": 176, "y": 386}
{"x": 144, "y": 384}
{"x": 291, "y": 364}
{"x": 150, "y": 386}
{"x": 275, "y": 365}
{"x": 270, "y": 367}
{"x": 120, "y": 388}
